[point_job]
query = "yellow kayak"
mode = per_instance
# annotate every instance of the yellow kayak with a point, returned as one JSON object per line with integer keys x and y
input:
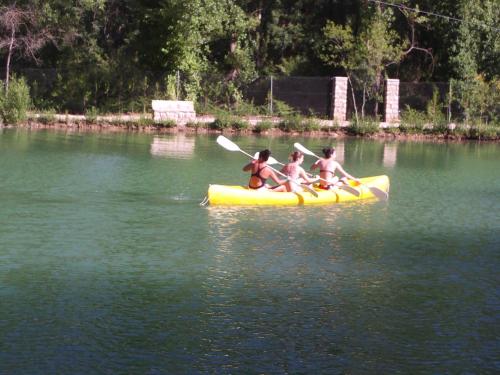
{"x": 368, "y": 187}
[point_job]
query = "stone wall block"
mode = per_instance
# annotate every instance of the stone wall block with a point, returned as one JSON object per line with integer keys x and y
{"x": 339, "y": 99}
{"x": 179, "y": 111}
{"x": 392, "y": 100}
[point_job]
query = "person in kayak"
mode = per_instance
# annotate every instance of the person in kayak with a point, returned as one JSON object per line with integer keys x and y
{"x": 327, "y": 168}
{"x": 261, "y": 172}
{"x": 295, "y": 172}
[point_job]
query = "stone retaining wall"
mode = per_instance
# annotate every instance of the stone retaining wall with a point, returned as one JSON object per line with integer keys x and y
{"x": 180, "y": 111}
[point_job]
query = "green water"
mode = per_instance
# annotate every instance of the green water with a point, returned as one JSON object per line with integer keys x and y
{"x": 108, "y": 265}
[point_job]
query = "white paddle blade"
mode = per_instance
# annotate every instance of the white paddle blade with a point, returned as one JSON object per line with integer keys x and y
{"x": 309, "y": 189}
{"x": 379, "y": 193}
{"x": 227, "y": 144}
{"x": 270, "y": 161}
{"x": 305, "y": 187}
{"x": 350, "y": 189}
{"x": 304, "y": 150}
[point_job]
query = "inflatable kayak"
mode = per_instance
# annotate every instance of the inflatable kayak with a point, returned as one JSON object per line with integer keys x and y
{"x": 367, "y": 188}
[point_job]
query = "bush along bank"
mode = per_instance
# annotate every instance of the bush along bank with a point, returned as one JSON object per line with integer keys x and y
{"x": 412, "y": 127}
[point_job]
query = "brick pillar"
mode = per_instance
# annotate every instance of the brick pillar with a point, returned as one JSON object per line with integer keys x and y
{"x": 339, "y": 98}
{"x": 392, "y": 100}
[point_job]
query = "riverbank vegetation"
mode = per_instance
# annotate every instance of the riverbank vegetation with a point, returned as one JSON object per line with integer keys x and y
{"x": 103, "y": 56}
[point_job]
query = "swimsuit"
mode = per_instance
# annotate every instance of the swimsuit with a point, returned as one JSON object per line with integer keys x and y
{"x": 326, "y": 170}
{"x": 327, "y": 187}
{"x": 262, "y": 179}
{"x": 330, "y": 184}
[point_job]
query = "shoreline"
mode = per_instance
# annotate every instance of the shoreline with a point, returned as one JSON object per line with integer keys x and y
{"x": 131, "y": 123}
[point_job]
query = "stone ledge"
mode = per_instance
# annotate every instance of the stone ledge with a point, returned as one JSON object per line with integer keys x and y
{"x": 181, "y": 111}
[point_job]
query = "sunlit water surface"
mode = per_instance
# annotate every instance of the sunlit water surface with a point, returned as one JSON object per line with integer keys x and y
{"x": 109, "y": 265}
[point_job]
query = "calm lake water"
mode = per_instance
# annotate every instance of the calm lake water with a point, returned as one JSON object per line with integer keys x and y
{"x": 108, "y": 265}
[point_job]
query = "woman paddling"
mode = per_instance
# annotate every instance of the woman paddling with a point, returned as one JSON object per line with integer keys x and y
{"x": 327, "y": 167}
{"x": 261, "y": 172}
{"x": 295, "y": 172}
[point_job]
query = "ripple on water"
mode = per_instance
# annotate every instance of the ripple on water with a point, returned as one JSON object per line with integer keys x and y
{"x": 109, "y": 265}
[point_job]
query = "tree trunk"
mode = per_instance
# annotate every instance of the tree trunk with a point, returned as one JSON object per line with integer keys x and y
{"x": 353, "y": 98}
{"x": 378, "y": 81}
{"x": 364, "y": 102}
{"x": 259, "y": 37}
{"x": 233, "y": 73}
{"x": 9, "y": 54}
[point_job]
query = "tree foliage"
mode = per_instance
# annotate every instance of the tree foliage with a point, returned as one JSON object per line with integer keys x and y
{"x": 115, "y": 55}
{"x": 476, "y": 60}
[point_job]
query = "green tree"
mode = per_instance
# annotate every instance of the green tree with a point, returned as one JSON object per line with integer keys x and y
{"x": 366, "y": 54}
{"x": 477, "y": 58}
{"x": 22, "y": 31}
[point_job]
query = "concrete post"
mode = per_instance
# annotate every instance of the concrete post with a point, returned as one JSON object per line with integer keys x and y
{"x": 339, "y": 98}
{"x": 392, "y": 100}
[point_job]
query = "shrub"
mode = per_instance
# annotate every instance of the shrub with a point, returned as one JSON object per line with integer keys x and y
{"x": 263, "y": 126}
{"x": 434, "y": 111}
{"x": 460, "y": 131}
{"x": 477, "y": 96}
{"x": 331, "y": 129}
{"x": 392, "y": 130}
{"x": 238, "y": 124}
{"x": 15, "y": 102}
{"x": 166, "y": 124}
{"x": 310, "y": 125}
{"x": 291, "y": 123}
{"x": 47, "y": 117}
{"x": 220, "y": 123}
{"x": 437, "y": 128}
{"x": 484, "y": 132}
{"x": 280, "y": 108}
{"x": 146, "y": 121}
{"x": 91, "y": 115}
{"x": 204, "y": 107}
{"x": 363, "y": 127}
{"x": 435, "y": 117}
{"x": 248, "y": 108}
{"x": 412, "y": 121}
{"x": 196, "y": 125}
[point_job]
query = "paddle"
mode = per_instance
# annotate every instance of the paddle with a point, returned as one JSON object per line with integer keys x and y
{"x": 231, "y": 146}
{"x": 271, "y": 160}
{"x": 379, "y": 193}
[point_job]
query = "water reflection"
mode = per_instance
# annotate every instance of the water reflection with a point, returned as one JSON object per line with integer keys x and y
{"x": 390, "y": 154}
{"x": 340, "y": 152}
{"x": 179, "y": 147}
{"x": 276, "y": 267}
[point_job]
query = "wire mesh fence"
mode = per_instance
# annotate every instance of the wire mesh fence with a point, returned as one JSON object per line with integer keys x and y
{"x": 313, "y": 95}
{"x": 307, "y": 95}
{"x": 132, "y": 90}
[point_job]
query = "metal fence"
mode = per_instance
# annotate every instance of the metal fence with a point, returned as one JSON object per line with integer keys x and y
{"x": 313, "y": 95}
{"x": 308, "y": 95}
{"x": 133, "y": 90}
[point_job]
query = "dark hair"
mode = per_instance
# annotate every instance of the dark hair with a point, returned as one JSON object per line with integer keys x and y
{"x": 328, "y": 151}
{"x": 296, "y": 155}
{"x": 264, "y": 155}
